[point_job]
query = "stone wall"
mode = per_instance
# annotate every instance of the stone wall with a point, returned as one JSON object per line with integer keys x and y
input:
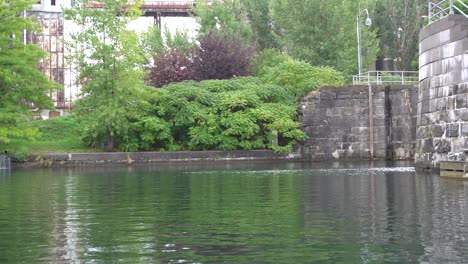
{"x": 442, "y": 119}
{"x": 129, "y": 158}
{"x": 336, "y": 119}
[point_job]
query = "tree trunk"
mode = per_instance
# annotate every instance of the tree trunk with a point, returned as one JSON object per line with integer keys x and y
{"x": 110, "y": 141}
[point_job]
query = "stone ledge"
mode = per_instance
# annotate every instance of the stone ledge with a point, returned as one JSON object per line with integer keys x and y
{"x": 128, "y": 158}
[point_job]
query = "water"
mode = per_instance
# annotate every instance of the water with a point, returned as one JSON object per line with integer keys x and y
{"x": 5, "y": 162}
{"x": 262, "y": 213}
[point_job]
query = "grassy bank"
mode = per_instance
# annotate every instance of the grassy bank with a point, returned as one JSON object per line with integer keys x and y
{"x": 61, "y": 134}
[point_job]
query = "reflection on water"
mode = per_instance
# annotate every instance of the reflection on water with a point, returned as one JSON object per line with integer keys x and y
{"x": 212, "y": 213}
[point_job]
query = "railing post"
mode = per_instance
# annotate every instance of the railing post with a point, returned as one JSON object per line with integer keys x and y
{"x": 429, "y": 11}
{"x": 451, "y": 8}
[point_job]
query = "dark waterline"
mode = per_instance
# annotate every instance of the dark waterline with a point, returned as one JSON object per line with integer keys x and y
{"x": 233, "y": 213}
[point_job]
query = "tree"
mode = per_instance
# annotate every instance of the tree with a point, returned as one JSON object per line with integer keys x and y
{"x": 110, "y": 62}
{"x": 399, "y": 23}
{"x": 259, "y": 16}
{"x": 228, "y": 17}
{"x": 154, "y": 43}
{"x": 324, "y": 32}
{"x": 21, "y": 83}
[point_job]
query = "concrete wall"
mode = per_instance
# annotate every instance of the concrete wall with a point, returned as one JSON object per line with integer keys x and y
{"x": 128, "y": 158}
{"x": 442, "y": 118}
{"x": 336, "y": 119}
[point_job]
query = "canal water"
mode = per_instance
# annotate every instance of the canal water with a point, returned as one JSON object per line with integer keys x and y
{"x": 256, "y": 213}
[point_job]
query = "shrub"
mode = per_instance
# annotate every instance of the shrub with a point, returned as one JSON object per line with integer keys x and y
{"x": 221, "y": 56}
{"x": 268, "y": 59}
{"x": 172, "y": 66}
{"x": 300, "y": 78}
{"x": 228, "y": 114}
{"x": 218, "y": 56}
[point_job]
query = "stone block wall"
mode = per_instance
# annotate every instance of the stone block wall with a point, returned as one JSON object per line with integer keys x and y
{"x": 160, "y": 158}
{"x": 442, "y": 119}
{"x": 336, "y": 119}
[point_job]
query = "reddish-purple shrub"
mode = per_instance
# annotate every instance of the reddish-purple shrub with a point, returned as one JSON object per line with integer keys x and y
{"x": 171, "y": 66}
{"x": 220, "y": 56}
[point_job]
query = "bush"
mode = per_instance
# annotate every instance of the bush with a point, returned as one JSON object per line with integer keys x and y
{"x": 221, "y": 56}
{"x": 228, "y": 114}
{"x": 298, "y": 78}
{"x": 218, "y": 56}
{"x": 172, "y": 66}
{"x": 268, "y": 59}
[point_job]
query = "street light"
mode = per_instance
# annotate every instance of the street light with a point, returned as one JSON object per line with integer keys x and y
{"x": 367, "y": 22}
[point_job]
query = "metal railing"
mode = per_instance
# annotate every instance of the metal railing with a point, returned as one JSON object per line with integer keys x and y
{"x": 387, "y": 77}
{"x": 152, "y": 4}
{"x": 441, "y": 8}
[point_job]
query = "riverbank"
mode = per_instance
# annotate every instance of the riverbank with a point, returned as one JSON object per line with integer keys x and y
{"x": 129, "y": 158}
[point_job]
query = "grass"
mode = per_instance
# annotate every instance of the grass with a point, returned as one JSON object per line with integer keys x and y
{"x": 60, "y": 135}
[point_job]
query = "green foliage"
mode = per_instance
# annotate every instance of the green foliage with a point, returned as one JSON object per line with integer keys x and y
{"x": 154, "y": 43}
{"x": 21, "y": 83}
{"x": 225, "y": 16}
{"x": 179, "y": 41}
{"x": 324, "y": 32}
{"x": 259, "y": 15}
{"x": 112, "y": 72}
{"x": 226, "y": 115}
{"x": 459, "y": 5}
{"x": 268, "y": 59}
{"x": 21, "y": 155}
{"x": 298, "y": 78}
{"x": 61, "y": 134}
{"x": 399, "y": 23}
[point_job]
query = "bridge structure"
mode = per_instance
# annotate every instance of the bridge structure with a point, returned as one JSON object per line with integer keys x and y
{"x": 158, "y": 9}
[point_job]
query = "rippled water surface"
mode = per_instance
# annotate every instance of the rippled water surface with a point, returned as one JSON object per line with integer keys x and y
{"x": 262, "y": 213}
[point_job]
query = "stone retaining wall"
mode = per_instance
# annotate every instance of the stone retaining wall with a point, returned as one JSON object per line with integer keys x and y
{"x": 127, "y": 158}
{"x": 442, "y": 119}
{"x": 336, "y": 119}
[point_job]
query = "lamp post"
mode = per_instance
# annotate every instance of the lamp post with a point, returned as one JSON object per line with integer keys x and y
{"x": 367, "y": 22}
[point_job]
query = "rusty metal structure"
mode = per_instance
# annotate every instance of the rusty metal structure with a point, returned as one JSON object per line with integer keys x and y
{"x": 158, "y": 9}
{"x": 55, "y": 29}
{"x": 51, "y": 40}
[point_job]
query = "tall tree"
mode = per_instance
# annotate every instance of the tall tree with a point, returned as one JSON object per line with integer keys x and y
{"x": 110, "y": 62}
{"x": 399, "y": 23}
{"x": 324, "y": 32}
{"x": 230, "y": 17}
{"x": 259, "y": 15}
{"x": 21, "y": 83}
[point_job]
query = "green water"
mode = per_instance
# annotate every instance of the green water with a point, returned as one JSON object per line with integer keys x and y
{"x": 262, "y": 213}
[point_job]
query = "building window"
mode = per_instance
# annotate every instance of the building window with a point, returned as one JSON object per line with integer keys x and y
{"x": 52, "y": 2}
